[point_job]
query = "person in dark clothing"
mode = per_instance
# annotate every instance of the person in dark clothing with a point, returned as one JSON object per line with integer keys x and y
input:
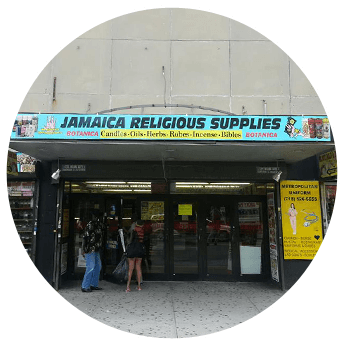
{"x": 135, "y": 259}
{"x": 92, "y": 243}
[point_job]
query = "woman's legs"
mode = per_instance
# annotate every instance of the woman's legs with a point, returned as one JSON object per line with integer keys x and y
{"x": 130, "y": 271}
{"x": 138, "y": 269}
{"x": 131, "y": 263}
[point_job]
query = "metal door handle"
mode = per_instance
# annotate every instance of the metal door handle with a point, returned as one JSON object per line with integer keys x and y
{"x": 199, "y": 234}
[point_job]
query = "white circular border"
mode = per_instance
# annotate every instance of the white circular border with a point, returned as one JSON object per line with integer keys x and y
{"x": 191, "y": 8}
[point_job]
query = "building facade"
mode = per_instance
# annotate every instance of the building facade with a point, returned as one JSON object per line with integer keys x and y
{"x": 192, "y": 122}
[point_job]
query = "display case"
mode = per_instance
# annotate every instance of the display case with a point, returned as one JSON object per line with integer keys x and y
{"x": 328, "y": 193}
{"x": 23, "y": 200}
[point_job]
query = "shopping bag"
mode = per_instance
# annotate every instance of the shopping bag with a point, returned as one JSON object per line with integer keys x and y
{"x": 81, "y": 260}
{"x": 120, "y": 273}
{"x": 122, "y": 240}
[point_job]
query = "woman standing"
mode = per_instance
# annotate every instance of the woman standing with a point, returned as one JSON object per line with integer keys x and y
{"x": 135, "y": 253}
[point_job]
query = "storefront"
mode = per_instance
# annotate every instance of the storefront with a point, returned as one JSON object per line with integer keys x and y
{"x": 193, "y": 230}
{"x": 207, "y": 188}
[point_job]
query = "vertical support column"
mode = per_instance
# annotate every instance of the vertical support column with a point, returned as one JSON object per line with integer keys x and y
{"x": 46, "y": 222}
{"x": 280, "y": 237}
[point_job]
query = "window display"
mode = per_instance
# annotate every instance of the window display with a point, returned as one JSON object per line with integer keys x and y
{"x": 251, "y": 234}
{"x": 330, "y": 191}
{"x": 22, "y": 202}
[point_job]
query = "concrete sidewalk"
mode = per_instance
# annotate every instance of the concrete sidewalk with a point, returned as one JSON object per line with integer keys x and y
{"x": 173, "y": 309}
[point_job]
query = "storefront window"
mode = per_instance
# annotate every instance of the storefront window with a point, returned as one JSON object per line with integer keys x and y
{"x": 141, "y": 187}
{"x": 331, "y": 191}
{"x": 116, "y": 211}
{"x": 329, "y": 194}
{"x": 22, "y": 200}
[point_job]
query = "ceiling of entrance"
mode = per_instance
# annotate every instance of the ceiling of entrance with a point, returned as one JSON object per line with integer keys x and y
{"x": 172, "y": 151}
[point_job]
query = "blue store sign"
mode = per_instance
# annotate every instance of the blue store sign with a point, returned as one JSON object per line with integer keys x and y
{"x": 172, "y": 127}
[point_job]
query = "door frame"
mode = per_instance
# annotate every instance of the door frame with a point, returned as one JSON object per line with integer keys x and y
{"x": 232, "y": 201}
{"x": 200, "y": 225}
{"x": 165, "y": 198}
{"x": 227, "y": 201}
{"x": 203, "y": 202}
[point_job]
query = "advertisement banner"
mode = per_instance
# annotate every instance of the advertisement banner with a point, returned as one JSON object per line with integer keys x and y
{"x": 301, "y": 219}
{"x": 12, "y": 163}
{"x": 152, "y": 210}
{"x": 328, "y": 164}
{"x": 172, "y": 127}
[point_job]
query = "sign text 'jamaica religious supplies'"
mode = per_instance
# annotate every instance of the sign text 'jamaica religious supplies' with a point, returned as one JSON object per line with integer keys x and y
{"x": 172, "y": 127}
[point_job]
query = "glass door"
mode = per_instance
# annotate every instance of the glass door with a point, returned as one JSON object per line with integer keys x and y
{"x": 185, "y": 238}
{"x": 150, "y": 210}
{"x": 253, "y": 237}
{"x": 236, "y": 241}
{"x": 251, "y": 232}
{"x": 219, "y": 237}
{"x": 152, "y": 213}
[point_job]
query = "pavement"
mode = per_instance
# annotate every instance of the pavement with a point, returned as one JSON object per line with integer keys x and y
{"x": 173, "y": 309}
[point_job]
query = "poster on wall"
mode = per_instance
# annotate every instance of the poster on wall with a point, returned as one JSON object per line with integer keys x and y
{"x": 152, "y": 210}
{"x": 12, "y": 163}
{"x": 328, "y": 164}
{"x": 65, "y": 223}
{"x": 301, "y": 219}
{"x": 172, "y": 127}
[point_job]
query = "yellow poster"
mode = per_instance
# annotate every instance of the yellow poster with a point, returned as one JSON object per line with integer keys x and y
{"x": 328, "y": 164}
{"x": 12, "y": 163}
{"x": 301, "y": 219}
{"x": 152, "y": 210}
{"x": 65, "y": 224}
{"x": 185, "y": 209}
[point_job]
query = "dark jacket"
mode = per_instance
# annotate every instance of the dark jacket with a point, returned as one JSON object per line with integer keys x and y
{"x": 93, "y": 237}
